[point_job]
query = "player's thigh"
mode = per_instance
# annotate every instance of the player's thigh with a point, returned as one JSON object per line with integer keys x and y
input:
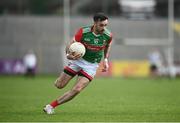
{"x": 82, "y": 82}
{"x": 62, "y": 80}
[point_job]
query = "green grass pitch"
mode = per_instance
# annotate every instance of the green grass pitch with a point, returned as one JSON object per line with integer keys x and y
{"x": 104, "y": 100}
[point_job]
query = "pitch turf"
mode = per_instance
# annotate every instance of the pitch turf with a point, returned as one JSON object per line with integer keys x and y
{"x": 105, "y": 99}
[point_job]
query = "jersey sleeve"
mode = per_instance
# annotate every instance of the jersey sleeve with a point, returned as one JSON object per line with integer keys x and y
{"x": 110, "y": 40}
{"x": 78, "y": 35}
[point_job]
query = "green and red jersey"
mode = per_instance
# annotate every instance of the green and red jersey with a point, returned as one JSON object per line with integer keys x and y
{"x": 95, "y": 44}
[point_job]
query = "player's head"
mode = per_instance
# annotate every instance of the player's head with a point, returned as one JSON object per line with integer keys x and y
{"x": 100, "y": 22}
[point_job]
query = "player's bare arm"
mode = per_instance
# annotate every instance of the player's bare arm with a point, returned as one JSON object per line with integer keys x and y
{"x": 106, "y": 55}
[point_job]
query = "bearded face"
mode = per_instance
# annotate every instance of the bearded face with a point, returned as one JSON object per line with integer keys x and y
{"x": 100, "y": 25}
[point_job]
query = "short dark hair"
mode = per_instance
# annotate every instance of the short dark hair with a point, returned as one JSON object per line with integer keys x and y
{"x": 99, "y": 17}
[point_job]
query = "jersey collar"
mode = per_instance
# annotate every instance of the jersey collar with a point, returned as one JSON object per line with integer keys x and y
{"x": 96, "y": 34}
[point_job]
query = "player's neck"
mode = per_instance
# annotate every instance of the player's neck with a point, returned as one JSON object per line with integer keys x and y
{"x": 95, "y": 31}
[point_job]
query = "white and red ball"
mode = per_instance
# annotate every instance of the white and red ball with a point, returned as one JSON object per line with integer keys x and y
{"x": 77, "y": 48}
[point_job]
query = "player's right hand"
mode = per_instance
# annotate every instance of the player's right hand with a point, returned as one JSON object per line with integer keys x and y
{"x": 73, "y": 56}
{"x": 105, "y": 65}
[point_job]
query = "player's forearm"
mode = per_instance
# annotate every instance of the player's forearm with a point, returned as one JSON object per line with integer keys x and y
{"x": 105, "y": 62}
{"x": 106, "y": 52}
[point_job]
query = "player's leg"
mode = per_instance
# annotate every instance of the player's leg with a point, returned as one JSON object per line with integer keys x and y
{"x": 62, "y": 80}
{"x": 86, "y": 74}
{"x": 68, "y": 73}
{"x": 82, "y": 82}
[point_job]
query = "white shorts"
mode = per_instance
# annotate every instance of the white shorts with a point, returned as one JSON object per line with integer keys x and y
{"x": 82, "y": 68}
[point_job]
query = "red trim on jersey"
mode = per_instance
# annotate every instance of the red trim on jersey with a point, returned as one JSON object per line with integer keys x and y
{"x": 86, "y": 75}
{"x": 78, "y": 35}
{"x": 70, "y": 70}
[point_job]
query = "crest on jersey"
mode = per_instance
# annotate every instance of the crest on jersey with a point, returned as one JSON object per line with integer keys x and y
{"x": 96, "y": 41}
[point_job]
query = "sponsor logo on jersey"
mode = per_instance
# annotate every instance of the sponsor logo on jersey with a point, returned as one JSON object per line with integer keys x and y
{"x": 93, "y": 47}
{"x": 87, "y": 39}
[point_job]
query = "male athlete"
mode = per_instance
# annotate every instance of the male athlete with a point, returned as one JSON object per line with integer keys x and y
{"x": 97, "y": 41}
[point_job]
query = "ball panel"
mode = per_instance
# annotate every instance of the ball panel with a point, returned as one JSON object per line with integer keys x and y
{"x": 78, "y": 48}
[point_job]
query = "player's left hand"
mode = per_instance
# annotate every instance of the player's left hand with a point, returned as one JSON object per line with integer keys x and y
{"x": 105, "y": 65}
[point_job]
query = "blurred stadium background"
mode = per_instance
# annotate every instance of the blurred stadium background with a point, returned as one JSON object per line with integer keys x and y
{"x": 46, "y": 26}
{"x": 138, "y": 26}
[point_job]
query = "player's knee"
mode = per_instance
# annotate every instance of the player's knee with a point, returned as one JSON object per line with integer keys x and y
{"x": 59, "y": 84}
